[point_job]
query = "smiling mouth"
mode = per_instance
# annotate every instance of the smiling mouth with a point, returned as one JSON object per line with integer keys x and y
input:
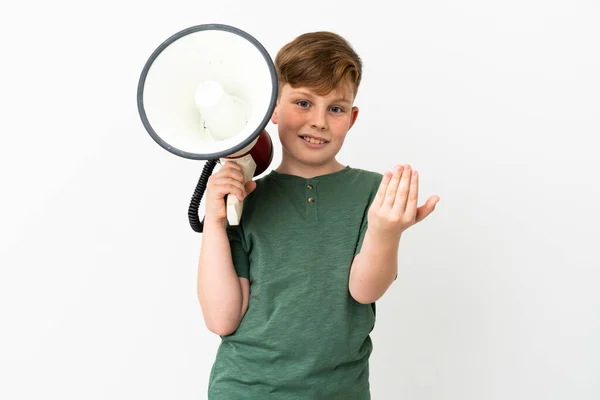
{"x": 313, "y": 140}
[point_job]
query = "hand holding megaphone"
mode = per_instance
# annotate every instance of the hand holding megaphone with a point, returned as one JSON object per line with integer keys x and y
{"x": 230, "y": 183}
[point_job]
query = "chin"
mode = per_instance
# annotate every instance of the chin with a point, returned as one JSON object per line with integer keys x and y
{"x": 314, "y": 160}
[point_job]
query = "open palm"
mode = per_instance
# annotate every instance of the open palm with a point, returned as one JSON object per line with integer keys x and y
{"x": 394, "y": 208}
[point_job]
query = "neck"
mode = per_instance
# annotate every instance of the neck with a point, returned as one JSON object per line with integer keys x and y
{"x": 293, "y": 167}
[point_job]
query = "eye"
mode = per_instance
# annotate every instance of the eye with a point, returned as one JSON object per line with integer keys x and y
{"x": 337, "y": 109}
{"x": 302, "y": 103}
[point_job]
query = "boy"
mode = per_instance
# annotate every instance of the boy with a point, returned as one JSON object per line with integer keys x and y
{"x": 291, "y": 290}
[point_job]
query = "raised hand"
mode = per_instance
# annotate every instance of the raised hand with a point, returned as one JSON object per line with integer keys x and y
{"x": 394, "y": 208}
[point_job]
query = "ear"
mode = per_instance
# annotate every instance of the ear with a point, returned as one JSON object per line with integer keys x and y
{"x": 274, "y": 115}
{"x": 353, "y": 116}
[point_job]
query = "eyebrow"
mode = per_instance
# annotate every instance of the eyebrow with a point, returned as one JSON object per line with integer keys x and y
{"x": 337, "y": 100}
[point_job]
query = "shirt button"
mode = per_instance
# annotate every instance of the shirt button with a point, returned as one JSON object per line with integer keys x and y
{"x": 311, "y": 199}
{"x": 309, "y": 187}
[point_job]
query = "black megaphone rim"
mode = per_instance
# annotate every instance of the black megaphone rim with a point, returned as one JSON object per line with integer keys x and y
{"x": 164, "y": 45}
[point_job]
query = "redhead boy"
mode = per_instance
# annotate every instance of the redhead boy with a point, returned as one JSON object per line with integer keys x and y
{"x": 292, "y": 289}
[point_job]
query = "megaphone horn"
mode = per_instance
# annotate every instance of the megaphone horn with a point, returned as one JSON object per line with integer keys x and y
{"x": 207, "y": 93}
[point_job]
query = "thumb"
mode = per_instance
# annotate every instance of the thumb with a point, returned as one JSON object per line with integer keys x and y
{"x": 250, "y": 186}
{"x": 427, "y": 208}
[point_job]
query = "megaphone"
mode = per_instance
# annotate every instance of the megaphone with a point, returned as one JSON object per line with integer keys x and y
{"x": 207, "y": 93}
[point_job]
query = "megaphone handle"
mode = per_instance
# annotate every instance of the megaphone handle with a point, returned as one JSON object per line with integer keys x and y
{"x": 235, "y": 207}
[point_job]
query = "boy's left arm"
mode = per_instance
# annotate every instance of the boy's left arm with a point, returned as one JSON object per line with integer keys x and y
{"x": 394, "y": 209}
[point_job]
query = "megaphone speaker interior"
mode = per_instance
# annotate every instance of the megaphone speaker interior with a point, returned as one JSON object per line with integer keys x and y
{"x": 207, "y": 93}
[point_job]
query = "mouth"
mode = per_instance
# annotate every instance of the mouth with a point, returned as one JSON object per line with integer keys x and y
{"x": 313, "y": 139}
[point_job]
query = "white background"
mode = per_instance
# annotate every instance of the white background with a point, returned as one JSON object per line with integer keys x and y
{"x": 497, "y": 104}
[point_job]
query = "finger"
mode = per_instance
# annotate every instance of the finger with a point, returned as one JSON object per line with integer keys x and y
{"x": 232, "y": 164}
{"x": 390, "y": 194}
{"x": 378, "y": 200}
{"x": 231, "y": 186}
{"x": 401, "y": 195}
{"x": 229, "y": 180}
{"x": 413, "y": 194}
{"x": 427, "y": 208}
{"x": 229, "y": 174}
{"x": 232, "y": 169}
{"x": 226, "y": 190}
{"x": 250, "y": 186}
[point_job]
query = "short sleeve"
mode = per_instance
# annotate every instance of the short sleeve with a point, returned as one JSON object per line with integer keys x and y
{"x": 372, "y": 187}
{"x": 361, "y": 234}
{"x": 239, "y": 254}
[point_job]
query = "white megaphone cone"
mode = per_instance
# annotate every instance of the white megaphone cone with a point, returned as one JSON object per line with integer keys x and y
{"x": 207, "y": 93}
{"x": 224, "y": 115}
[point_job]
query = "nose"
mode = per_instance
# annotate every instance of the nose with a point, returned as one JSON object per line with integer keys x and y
{"x": 319, "y": 120}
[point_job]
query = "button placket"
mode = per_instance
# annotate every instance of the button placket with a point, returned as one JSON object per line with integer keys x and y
{"x": 311, "y": 200}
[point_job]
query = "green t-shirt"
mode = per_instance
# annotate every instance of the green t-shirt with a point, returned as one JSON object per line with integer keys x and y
{"x": 303, "y": 337}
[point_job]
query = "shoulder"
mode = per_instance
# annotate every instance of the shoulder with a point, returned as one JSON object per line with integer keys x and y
{"x": 263, "y": 193}
{"x": 356, "y": 186}
{"x": 263, "y": 183}
{"x": 367, "y": 174}
{"x": 365, "y": 179}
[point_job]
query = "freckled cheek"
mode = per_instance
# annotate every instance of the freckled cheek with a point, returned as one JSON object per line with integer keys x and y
{"x": 294, "y": 122}
{"x": 338, "y": 129}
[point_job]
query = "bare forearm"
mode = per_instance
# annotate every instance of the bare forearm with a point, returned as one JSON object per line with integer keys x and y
{"x": 374, "y": 268}
{"x": 219, "y": 289}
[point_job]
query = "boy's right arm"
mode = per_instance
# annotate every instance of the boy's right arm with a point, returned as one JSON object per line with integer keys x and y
{"x": 222, "y": 294}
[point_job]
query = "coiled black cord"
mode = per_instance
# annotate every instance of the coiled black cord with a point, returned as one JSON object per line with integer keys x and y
{"x": 195, "y": 223}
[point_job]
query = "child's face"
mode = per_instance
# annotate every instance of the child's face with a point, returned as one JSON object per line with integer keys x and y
{"x": 312, "y": 128}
